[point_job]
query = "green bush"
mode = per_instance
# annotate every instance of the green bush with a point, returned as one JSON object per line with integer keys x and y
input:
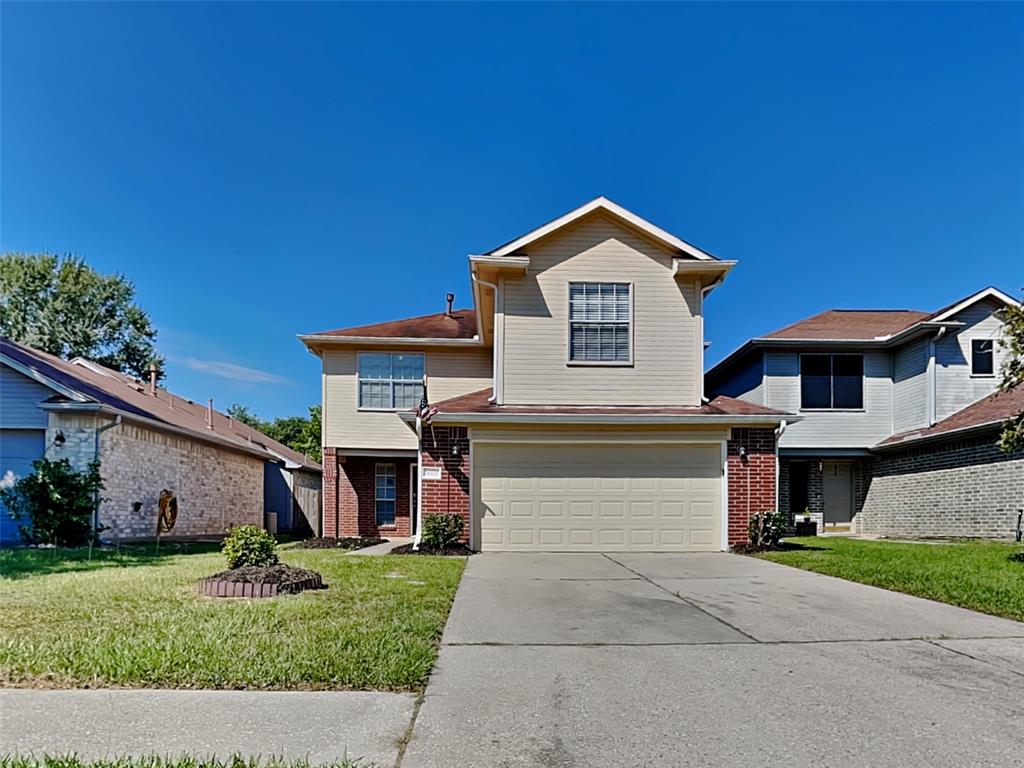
{"x": 766, "y": 529}
{"x": 441, "y": 531}
{"x": 249, "y": 545}
{"x": 55, "y": 504}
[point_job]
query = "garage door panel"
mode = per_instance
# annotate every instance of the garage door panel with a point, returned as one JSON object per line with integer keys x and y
{"x": 598, "y": 497}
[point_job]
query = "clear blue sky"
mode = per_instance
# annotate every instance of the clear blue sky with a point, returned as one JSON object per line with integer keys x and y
{"x": 264, "y": 170}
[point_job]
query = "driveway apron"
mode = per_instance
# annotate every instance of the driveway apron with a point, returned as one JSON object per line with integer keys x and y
{"x": 711, "y": 659}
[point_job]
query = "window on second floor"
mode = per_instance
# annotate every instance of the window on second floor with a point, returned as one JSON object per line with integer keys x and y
{"x": 600, "y": 316}
{"x": 390, "y": 380}
{"x": 831, "y": 382}
{"x": 982, "y": 363}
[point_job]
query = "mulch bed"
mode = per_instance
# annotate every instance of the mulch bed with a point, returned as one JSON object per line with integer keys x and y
{"x": 458, "y": 550}
{"x": 261, "y": 581}
{"x": 348, "y": 542}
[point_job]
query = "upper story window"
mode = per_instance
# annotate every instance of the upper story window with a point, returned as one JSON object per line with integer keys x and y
{"x": 831, "y": 381}
{"x": 982, "y": 363}
{"x": 600, "y": 316}
{"x": 390, "y": 380}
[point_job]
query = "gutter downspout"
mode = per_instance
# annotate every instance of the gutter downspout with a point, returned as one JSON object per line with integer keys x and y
{"x": 779, "y": 432}
{"x": 494, "y": 347}
{"x": 96, "y": 457}
{"x": 419, "y": 484}
{"x": 704, "y": 291}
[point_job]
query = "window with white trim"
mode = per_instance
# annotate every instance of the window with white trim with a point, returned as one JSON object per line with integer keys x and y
{"x": 384, "y": 499}
{"x": 982, "y": 363}
{"x": 390, "y": 380}
{"x": 600, "y": 315}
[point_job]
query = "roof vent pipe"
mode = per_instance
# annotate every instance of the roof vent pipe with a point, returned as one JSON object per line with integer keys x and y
{"x": 209, "y": 413}
{"x": 450, "y": 298}
{"x": 153, "y": 371}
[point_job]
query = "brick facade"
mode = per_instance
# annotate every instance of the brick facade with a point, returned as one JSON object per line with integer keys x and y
{"x": 965, "y": 487}
{"x": 349, "y": 495}
{"x": 216, "y": 488}
{"x": 447, "y": 448}
{"x": 751, "y": 464}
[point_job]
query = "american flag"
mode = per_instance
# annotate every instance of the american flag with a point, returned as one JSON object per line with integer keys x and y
{"x": 425, "y": 412}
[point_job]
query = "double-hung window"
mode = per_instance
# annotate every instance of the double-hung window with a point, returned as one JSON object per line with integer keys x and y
{"x": 829, "y": 382}
{"x": 982, "y": 363}
{"x": 384, "y": 499}
{"x": 390, "y": 380}
{"x": 600, "y": 316}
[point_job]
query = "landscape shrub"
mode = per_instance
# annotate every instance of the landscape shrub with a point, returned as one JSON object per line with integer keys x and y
{"x": 441, "y": 531}
{"x": 249, "y": 545}
{"x": 55, "y": 504}
{"x": 766, "y": 529}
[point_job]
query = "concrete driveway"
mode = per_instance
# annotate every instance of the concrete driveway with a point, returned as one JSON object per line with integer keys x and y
{"x": 695, "y": 660}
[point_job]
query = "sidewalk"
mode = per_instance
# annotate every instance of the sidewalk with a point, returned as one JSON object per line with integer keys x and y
{"x": 322, "y": 726}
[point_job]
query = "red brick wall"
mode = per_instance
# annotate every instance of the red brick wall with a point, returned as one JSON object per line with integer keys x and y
{"x": 751, "y": 478}
{"x": 451, "y": 492}
{"x": 350, "y": 495}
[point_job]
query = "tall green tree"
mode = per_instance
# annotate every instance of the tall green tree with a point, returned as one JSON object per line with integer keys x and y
{"x": 300, "y": 433}
{"x": 1012, "y": 437}
{"x": 61, "y": 305}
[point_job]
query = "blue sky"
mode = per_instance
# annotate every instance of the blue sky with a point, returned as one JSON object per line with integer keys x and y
{"x": 264, "y": 170}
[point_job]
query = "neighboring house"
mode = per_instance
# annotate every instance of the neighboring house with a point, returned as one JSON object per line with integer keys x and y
{"x": 899, "y": 417}
{"x": 147, "y": 439}
{"x": 567, "y": 404}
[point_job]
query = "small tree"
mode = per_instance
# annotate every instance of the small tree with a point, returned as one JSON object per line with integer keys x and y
{"x": 55, "y": 504}
{"x": 1012, "y": 437}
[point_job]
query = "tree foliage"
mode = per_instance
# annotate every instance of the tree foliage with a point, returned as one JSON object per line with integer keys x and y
{"x": 55, "y": 504}
{"x": 300, "y": 433}
{"x": 1012, "y": 437}
{"x": 60, "y": 305}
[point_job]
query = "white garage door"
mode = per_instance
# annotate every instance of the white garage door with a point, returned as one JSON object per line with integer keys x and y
{"x": 596, "y": 498}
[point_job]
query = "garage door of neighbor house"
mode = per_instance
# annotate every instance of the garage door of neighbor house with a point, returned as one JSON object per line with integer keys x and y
{"x": 593, "y": 498}
{"x": 18, "y": 449}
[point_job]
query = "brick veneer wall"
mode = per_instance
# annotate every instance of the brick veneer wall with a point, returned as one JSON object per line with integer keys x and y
{"x": 349, "y": 494}
{"x": 216, "y": 488}
{"x": 751, "y": 478}
{"x": 963, "y": 487}
{"x": 449, "y": 494}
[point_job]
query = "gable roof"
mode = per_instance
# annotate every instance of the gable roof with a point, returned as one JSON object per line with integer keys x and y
{"x": 82, "y": 383}
{"x": 615, "y": 210}
{"x": 989, "y": 412}
{"x": 460, "y": 324}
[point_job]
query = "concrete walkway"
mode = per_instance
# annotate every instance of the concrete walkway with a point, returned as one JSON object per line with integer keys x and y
{"x": 383, "y": 548}
{"x": 321, "y": 726}
{"x": 724, "y": 660}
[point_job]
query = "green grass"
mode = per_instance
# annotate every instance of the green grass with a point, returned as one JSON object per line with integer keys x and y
{"x": 135, "y": 619}
{"x": 982, "y": 576}
{"x": 71, "y": 761}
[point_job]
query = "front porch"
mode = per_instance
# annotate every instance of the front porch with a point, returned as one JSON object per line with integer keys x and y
{"x": 830, "y": 486}
{"x": 369, "y": 494}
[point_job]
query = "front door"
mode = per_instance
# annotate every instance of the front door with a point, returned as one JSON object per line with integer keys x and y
{"x": 837, "y": 490}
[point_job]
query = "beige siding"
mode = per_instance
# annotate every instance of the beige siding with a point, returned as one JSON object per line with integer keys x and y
{"x": 665, "y": 323}
{"x": 450, "y": 373}
{"x": 597, "y": 497}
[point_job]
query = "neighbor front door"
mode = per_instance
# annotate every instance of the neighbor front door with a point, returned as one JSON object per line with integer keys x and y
{"x": 837, "y": 489}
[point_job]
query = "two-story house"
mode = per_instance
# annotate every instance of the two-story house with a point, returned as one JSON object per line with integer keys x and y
{"x": 900, "y": 417}
{"x": 566, "y": 407}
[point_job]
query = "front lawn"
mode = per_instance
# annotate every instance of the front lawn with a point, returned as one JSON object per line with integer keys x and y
{"x": 982, "y": 576}
{"x": 135, "y": 619}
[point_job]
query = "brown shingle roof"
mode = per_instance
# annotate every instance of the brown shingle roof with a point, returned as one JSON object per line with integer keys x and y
{"x": 478, "y": 402}
{"x": 851, "y": 324}
{"x": 116, "y": 390}
{"x": 460, "y": 324}
{"x": 991, "y": 410}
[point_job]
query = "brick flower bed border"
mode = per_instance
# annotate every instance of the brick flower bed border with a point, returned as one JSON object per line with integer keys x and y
{"x": 225, "y": 588}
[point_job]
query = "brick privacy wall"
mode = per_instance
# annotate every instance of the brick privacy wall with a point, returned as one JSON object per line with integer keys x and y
{"x": 349, "y": 494}
{"x": 964, "y": 488}
{"x": 450, "y": 493}
{"x": 751, "y": 478}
